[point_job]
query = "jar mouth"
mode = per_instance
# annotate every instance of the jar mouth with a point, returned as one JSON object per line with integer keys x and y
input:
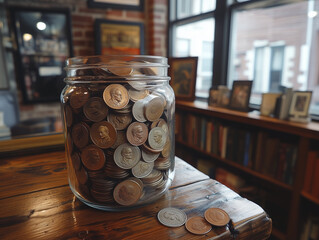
{"x": 120, "y": 66}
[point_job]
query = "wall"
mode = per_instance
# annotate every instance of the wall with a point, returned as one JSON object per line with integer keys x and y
{"x": 154, "y": 18}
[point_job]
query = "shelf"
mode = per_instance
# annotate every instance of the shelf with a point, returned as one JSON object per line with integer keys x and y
{"x": 240, "y": 167}
{"x": 310, "y": 197}
{"x": 278, "y": 234}
{"x": 309, "y": 130}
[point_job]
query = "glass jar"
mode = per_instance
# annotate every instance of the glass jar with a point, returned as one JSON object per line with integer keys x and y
{"x": 119, "y": 129}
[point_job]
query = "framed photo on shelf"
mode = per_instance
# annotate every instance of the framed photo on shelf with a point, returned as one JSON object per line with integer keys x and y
{"x": 44, "y": 42}
{"x": 116, "y": 4}
{"x": 300, "y": 103}
{"x": 183, "y": 73}
{"x": 118, "y": 37}
{"x": 240, "y": 95}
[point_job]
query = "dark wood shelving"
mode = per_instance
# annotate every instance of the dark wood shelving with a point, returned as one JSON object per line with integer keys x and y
{"x": 310, "y": 197}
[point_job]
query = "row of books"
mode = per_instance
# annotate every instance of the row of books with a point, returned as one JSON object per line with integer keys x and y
{"x": 310, "y": 229}
{"x": 311, "y": 182}
{"x": 257, "y": 150}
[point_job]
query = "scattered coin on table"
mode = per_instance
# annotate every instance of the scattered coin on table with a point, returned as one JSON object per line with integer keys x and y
{"x": 172, "y": 217}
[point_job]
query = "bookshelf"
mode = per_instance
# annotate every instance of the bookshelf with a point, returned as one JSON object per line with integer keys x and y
{"x": 268, "y": 153}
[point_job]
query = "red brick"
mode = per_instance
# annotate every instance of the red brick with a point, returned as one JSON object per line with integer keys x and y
{"x": 81, "y": 18}
{"x": 89, "y": 33}
{"x": 135, "y": 14}
{"x": 113, "y": 12}
{"x": 77, "y": 34}
{"x": 79, "y": 42}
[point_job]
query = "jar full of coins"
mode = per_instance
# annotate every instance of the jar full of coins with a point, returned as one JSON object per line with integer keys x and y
{"x": 118, "y": 116}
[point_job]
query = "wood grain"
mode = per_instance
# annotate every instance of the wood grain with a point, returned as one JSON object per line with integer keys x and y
{"x": 37, "y": 203}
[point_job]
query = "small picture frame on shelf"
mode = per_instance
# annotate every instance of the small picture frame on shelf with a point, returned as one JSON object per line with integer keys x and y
{"x": 299, "y": 107}
{"x": 183, "y": 73}
{"x": 240, "y": 95}
{"x": 213, "y": 97}
{"x": 268, "y": 103}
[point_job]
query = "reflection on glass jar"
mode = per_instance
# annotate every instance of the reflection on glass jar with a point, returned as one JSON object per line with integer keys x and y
{"x": 119, "y": 129}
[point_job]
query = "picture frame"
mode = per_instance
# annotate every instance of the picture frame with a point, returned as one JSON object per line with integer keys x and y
{"x": 213, "y": 97}
{"x": 137, "y": 5}
{"x": 118, "y": 37}
{"x": 299, "y": 107}
{"x": 44, "y": 42}
{"x": 268, "y": 103}
{"x": 183, "y": 73}
{"x": 240, "y": 95}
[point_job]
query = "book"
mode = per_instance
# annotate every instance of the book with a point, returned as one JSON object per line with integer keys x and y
{"x": 315, "y": 182}
{"x": 260, "y": 149}
{"x": 224, "y": 142}
{"x": 209, "y": 137}
{"x": 310, "y": 173}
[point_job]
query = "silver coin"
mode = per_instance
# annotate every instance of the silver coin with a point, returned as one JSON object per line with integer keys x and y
{"x": 157, "y": 138}
{"x": 142, "y": 169}
{"x": 172, "y": 217}
{"x": 154, "y": 107}
{"x": 138, "y": 111}
{"x": 136, "y": 95}
{"x": 127, "y": 156}
{"x": 149, "y": 157}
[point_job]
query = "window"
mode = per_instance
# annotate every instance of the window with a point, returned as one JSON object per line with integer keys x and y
{"x": 275, "y": 45}
{"x": 192, "y": 27}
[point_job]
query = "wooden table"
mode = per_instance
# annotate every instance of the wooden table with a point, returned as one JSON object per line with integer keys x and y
{"x": 37, "y": 203}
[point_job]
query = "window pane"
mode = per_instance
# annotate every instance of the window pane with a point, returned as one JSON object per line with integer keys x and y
{"x": 187, "y": 8}
{"x": 196, "y": 39}
{"x": 276, "y": 46}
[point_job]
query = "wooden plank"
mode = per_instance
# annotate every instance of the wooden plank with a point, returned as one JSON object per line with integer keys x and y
{"x": 56, "y": 214}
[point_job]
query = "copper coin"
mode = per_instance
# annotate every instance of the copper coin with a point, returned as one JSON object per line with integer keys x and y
{"x": 154, "y": 107}
{"x": 93, "y": 158}
{"x": 120, "y": 139}
{"x": 76, "y": 161}
{"x": 120, "y": 121}
{"x": 127, "y": 192}
{"x": 103, "y": 134}
{"x": 198, "y": 225}
{"x": 115, "y": 96}
{"x": 95, "y": 109}
{"x": 217, "y": 217}
{"x": 68, "y": 116}
{"x": 82, "y": 176}
{"x": 79, "y": 97}
{"x": 137, "y": 133}
{"x": 80, "y": 135}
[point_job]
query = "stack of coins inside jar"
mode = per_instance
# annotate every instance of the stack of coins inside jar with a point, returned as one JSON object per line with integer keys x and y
{"x": 119, "y": 129}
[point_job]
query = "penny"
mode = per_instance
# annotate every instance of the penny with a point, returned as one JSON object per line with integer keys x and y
{"x": 80, "y": 135}
{"x": 217, "y": 217}
{"x": 127, "y": 192}
{"x": 120, "y": 139}
{"x": 137, "y": 133}
{"x": 95, "y": 109}
{"x": 103, "y": 134}
{"x": 138, "y": 111}
{"x": 198, "y": 225}
{"x": 136, "y": 95}
{"x": 82, "y": 176}
{"x": 149, "y": 149}
{"x": 120, "y": 121}
{"x": 142, "y": 169}
{"x": 127, "y": 156}
{"x": 93, "y": 158}
{"x": 154, "y": 107}
{"x": 115, "y": 96}
{"x": 139, "y": 181}
{"x": 149, "y": 157}
{"x": 157, "y": 138}
{"x": 68, "y": 116}
{"x": 119, "y": 68}
{"x": 79, "y": 97}
{"x": 172, "y": 217}
{"x": 76, "y": 161}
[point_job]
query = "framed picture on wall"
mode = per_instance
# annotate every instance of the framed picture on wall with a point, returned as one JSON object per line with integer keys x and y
{"x": 240, "y": 95}
{"x": 183, "y": 73}
{"x": 44, "y": 43}
{"x": 118, "y": 37}
{"x": 117, "y": 4}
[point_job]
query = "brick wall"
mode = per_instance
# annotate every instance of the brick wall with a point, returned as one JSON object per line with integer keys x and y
{"x": 154, "y": 18}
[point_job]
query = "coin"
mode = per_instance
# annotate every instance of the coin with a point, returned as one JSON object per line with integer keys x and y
{"x": 142, "y": 169}
{"x": 138, "y": 111}
{"x": 93, "y": 158}
{"x": 198, "y": 225}
{"x": 127, "y": 192}
{"x": 171, "y": 217}
{"x": 79, "y": 97}
{"x": 136, "y": 95}
{"x": 68, "y": 116}
{"x": 120, "y": 121}
{"x": 103, "y": 134}
{"x": 80, "y": 135}
{"x": 76, "y": 160}
{"x": 127, "y": 156}
{"x": 120, "y": 139}
{"x": 82, "y": 176}
{"x": 157, "y": 138}
{"x": 119, "y": 68}
{"x": 95, "y": 109}
{"x": 167, "y": 148}
{"x": 116, "y": 96}
{"x": 149, "y": 157}
{"x": 154, "y": 107}
{"x": 217, "y": 217}
{"x": 137, "y": 133}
